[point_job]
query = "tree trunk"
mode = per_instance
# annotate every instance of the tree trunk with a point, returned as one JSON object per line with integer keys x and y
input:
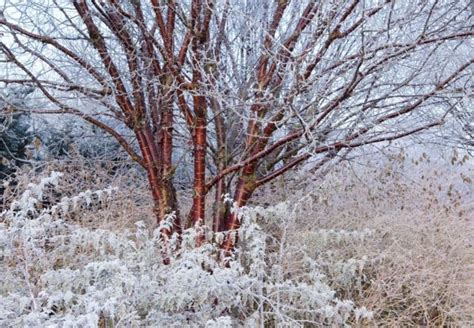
{"x": 198, "y": 213}
{"x": 218, "y": 221}
{"x": 220, "y": 160}
{"x": 161, "y": 187}
{"x": 244, "y": 190}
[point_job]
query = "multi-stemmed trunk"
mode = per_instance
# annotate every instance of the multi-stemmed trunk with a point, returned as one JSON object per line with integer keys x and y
{"x": 160, "y": 180}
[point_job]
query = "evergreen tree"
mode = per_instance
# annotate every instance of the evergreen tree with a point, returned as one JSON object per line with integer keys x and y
{"x": 15, "y": 133}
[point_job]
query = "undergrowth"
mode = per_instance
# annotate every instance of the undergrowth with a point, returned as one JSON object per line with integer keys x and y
{"x": 59, "y": 273}
{"x": 357, "y": 248}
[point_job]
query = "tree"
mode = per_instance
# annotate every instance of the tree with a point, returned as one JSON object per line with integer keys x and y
{"x": 252, "y": 88}
{"x": 15, "y": 134}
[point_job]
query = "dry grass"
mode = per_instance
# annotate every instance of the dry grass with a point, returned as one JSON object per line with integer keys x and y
{"x": 425, "y": 278}
{"x": 415, "y": 269}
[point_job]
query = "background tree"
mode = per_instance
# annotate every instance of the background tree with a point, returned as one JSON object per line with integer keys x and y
{"x": 15, "y": 132}
{"x": 252, "y": 88}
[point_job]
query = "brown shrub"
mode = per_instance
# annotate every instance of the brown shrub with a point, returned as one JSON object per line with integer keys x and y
{"x": 396, "y": 237}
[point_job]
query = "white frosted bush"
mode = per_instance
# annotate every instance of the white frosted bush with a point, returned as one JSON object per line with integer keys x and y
{"x": 58, "y": 273}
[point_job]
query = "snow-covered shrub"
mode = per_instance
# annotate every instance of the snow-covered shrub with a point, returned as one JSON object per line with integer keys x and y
{"x": 59, "y": 273}
{"x": 131, "y": 198}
